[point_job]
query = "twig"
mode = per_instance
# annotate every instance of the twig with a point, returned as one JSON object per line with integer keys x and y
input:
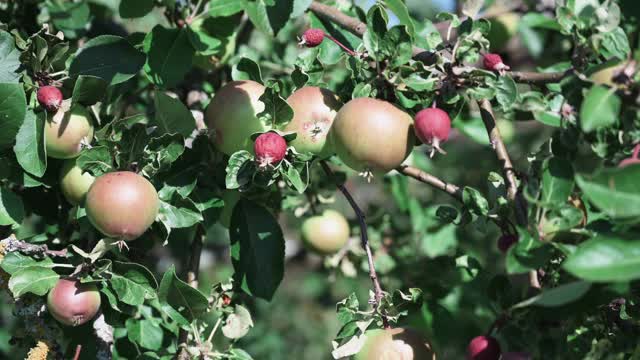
{"x": 538, "y": 77}
{"x": 191, "y": 277}
{"x": 77, "y": 354}
{"x": 429, "y": 179}
{"x": 364, "y": 237}
{"x": 358, "y": 28}
{"x": 12, "y": 244}
{"x": 486, "y": 111}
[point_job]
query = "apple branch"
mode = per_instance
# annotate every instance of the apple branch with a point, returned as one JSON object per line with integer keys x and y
{"x": 12, "y": 244}
{"x": 364, "y": 237}
{"x": 358, "y": 28}
{"x": 191, "y": 276}
{"x": 429, "y": 179}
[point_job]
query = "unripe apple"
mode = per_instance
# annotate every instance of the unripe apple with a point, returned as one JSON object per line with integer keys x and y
{"x": 232, "y": 114}
{"x": 395, "y": 344}
{"x": 49, "y": 97}
{"x": 270, "y": 148}
{"x": 73, "y": 303}
{"x": 325, "y": 233}
{"x": 122, "y": 204}
{"x": 66, "y": 131}
{"x": 503, "y": 28}
{"x": 372, "y": 135}
{"x": 74, "y": 183}
{"x": 314, "y": 110}
{"x": 605, "y": 75}
{"x": 483, "y": 348}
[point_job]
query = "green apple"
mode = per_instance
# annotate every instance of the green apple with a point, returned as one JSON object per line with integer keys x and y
{"x": 326, "y": 233}
{"x": 73, "y": 183}
{"x": 395, "y": 344}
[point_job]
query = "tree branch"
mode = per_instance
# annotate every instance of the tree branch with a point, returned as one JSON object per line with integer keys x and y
{"x": 539, "y": 78}
{"x": 12, "y": 244}
{"x": 364, "y": 237}
{"x": 429, "y": 179}
{"x": 358, "y": 28}
{"x": 191, "y": 276}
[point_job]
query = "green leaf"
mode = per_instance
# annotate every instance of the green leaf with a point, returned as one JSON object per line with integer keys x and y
{"x": 37, "y": 280}
{"x": 527, "y": 254}
{"x": 557, "y": 181}
{"x": 558, "y": 296}
{"x": 13, "y": 108}
{"x": 70, "y": 17}
{"x": 130, "y": 9}
{"x": 9, "y": 58}
{"x": 507, "y": 92}
{"x": 108, "y": 57}
{"x": 16, "y": 261}
{"x": 257, "y": 249}
{"x": 239, "y": 170}
{"x": 269, "y": 16}
{"x": 183, "y": 216}
{"x": 96, "y": 160}
{"x": 132, "y": 283}
{"x": 172, "y": 116}
{"x": 146, "y": 333}
{"x": 400, "y": 10}
{"x": 169, "y": 55}
{"x": 29, "y": 147}
{"x": 246, "y": 69}
{"x": 614, "y": 191}
{"x": 11, "y": 208}
{"x": 474, "y": 200}
{"x": 615, "y": 44}
{"x": 223, "y": 8}
{"x": 605, "y": 258}
{"x": 600, "y": 108}
{"x": 277, "y": 111}
{"x": 88, "y": 90}
{"x": 190, "y": 302}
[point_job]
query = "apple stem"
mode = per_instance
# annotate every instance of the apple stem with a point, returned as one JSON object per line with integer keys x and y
{"x": 77, "y": 354}
{"x": 346, "y": 49}
{"x": 377, "y": 289}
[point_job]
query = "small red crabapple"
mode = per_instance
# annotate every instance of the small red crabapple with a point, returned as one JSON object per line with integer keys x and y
{"x": 506, "y": 241}
{"x": 483, "y": 348}
{"x": 432, "y": 127}
{"x": 312, "y": 37}
{"x": 633, "y": 159}
{"x": 270, "y": 148}
{"x": 49, "y": 97}
{"x": 493, "y": 62}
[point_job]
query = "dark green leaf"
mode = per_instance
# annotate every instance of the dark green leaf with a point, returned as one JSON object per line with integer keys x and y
{"x": 146, "y": 333}
{"x": 88, "y": 90}
{"x": 190, "y": 302}
{"x": 615, "y": 191}
{"x": 257, "y": 249}
{"x": 11, "y": 207}
{"x": 135, "y": 8}
{"x": 605, "y": 258}
{"x": 29, "y": 147}
{"x": 172, "y": 116}
{"x": 13, "y": 108}
{"x": 108, "y": 57}
{"x": 246, "y": 69}
{"x": 37, "y": 280}
{"x": 557, "y": 181}
{"x": 169, "y": 55}
{"x": 600, "y": 108}
{"x": 9, "y": 58}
